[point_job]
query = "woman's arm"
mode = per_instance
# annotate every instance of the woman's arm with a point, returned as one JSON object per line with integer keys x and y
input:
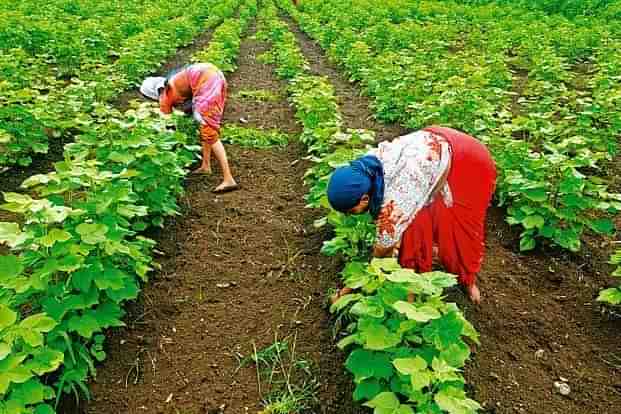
{"x": 381, "y": 251}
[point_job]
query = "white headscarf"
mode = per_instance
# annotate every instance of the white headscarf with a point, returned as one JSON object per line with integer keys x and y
{"x": 151, "y": 86}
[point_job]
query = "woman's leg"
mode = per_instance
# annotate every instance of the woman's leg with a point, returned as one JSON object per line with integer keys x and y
{"x": 227, "y": 181}
{"x": 205, "y": 167}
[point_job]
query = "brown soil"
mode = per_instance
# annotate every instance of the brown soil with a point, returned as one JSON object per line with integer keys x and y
{"x": 530, "y": 302}
{"x": 186, "y": 335}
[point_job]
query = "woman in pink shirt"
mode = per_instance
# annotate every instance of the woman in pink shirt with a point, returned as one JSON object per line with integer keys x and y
{"x": 203, "y": 86}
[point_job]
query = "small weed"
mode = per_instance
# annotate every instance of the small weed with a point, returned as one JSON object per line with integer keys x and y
{"x": 286, "y": 381}
{"x": 253, "y": 138}
{"x": 261, "y": 95}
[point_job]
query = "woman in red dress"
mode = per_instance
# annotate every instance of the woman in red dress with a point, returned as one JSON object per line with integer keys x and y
{"x": 428, "y": 192}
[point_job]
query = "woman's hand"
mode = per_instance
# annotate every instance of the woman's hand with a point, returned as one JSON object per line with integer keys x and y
{"x": 381, "y": 251}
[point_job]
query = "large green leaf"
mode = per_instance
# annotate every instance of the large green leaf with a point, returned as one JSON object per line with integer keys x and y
{"x": 388, "y": 403}
{"x": 368, "y": 306}
{"x": 13, "y": 371}
{"x": 602, "y": 226}
{"x": 39, "y": 322}
{"x": 536, "y": 194}
{"x": 5, "y": 350}
{"x": 11, "y": 234}
{"x": 32, "y": 392}
{"x": 443, "y": 332}
{"x": 416, "y": 368}
{"x": 365, "y": 364}
{"x": 10, "y": 266}
{"x": 611, "y": 295}
{"x": 45, "y": 360}
{"x": 378, "y": 337}
{"x": 85, "y": 325}
{"x": 454, "y": 400}
{"x": 456, "y": 354}
{"x": 7, "y": 317}
{"x": 367, "y": 389}
{"x": 443, "y": 371}
{"x": 422, "y": 313}
{"x": 410, "y": 366}
{"x": 533, "y": 221}
{"x": 92, "y": 233}
{"x": 54, "y": 236}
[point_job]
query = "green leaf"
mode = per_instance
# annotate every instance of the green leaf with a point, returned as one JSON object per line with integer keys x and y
{"x": 11, "y": 234}
{"x": 32, "y": 392}
{"x": 456, "y": 354}
{"x": 343, "y": 301}
{"x": 370, "y": 307}
{"x": 46, "y": 360}
{"x": 365, "y": 364}
{"x": 410, "y": 366}
{"x": 402, "y": 276}
{"x": 12, "y": 371}
{"x": 443, "y": 371}
{"x": 55, "y": 235}
{"x": 92, "y": 233}
{"x": 454, "y": 400}
{"x": 533, "y": 221}
{"x": 39, "y": 322}
{"x": 85, "y": 325}
{"x": 385, "y": 402}
{"x": 10, "y": 266}
{"x": 367, "y": 390}
{"x": 416, "y": 368}
{"x": 527, "y": 243}
{"x": 7, "y": 317}
{"x": 111, "y": 278}
{"x": 378, "y": 266}
{"x": 44, "y": 409}
{"x": 443, "y": 332}
{"x": 388, "y": 403}
{"x": 378, "y": 337}
{"x": 420, "y": 380}
{"x": 612, "y": 296}
{"x": 5, "y": 350}
{"x": 108, "y": 315}
{"x": 423, "y": 313}
{"x": 602, "y": 226}
{"x": 536, "y": 194}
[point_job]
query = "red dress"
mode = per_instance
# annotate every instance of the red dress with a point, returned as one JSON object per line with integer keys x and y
{"x": 459, "y": 230}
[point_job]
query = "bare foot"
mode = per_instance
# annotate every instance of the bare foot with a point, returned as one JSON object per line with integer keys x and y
{"x": 226, "y": 186}
{"x": 474, "y": 293}
{"x": 340, "y": 294}
{"x": 203, "y": 170}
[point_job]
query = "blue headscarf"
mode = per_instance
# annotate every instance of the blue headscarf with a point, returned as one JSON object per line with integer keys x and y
{"x": 348, "y": 184}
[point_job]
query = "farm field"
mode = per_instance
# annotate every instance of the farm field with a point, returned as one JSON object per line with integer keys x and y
{"x": 127, "y": 286}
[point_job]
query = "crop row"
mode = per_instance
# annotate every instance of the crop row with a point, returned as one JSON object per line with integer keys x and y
{"x": 39, "y": 103}
{"x": 544, "y": 100}
{"x": 406, "y": 344}
{"x": 79, "y": 254}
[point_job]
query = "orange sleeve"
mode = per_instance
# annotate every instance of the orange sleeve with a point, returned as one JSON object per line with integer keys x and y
{"x": 209, "y": 135}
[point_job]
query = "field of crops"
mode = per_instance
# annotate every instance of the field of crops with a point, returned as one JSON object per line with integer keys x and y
{"x": 127, "y": 286}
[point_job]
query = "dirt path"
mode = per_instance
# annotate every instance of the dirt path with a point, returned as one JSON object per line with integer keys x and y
{"x": 531, "y": 303}
{"x": 354, "y": 107}
{"x": 258, "y": 245}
